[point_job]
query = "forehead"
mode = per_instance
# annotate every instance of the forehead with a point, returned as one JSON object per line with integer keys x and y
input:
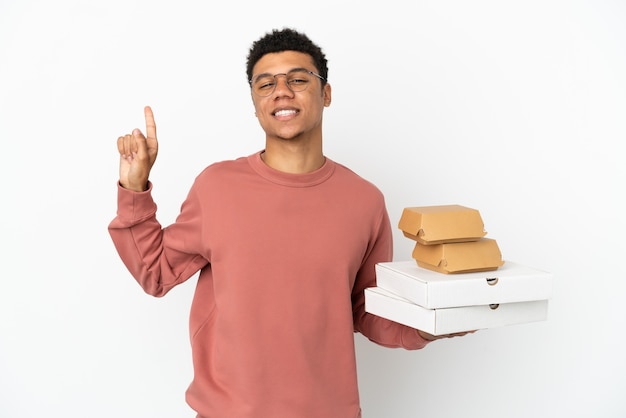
{"x": 282, "y": 62}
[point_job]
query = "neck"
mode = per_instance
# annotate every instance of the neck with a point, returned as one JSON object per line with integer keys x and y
{"x": 291, "y": 156}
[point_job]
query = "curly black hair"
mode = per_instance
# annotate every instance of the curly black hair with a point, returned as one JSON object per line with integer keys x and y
{"x": 286, "y": 40}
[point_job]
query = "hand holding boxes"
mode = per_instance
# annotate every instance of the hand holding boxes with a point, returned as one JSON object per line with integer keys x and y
{"x": 451, "y": 286}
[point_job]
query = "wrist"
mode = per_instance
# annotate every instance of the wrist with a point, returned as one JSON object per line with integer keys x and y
{"x": 134, "y": 187}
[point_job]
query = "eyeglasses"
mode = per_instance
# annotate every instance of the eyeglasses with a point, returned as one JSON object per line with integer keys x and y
{"x": 297, "y": 80}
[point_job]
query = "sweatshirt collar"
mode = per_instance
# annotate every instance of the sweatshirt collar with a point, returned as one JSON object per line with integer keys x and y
{"x": 289, "y": 179}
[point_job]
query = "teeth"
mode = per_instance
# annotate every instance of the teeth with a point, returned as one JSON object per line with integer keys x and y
{"x": 285, "y": 112}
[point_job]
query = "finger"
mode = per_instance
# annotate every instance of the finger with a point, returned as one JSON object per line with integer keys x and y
{"x": 120, "y": 145}
{"x": 152, "y": 145}
{"x": 150, "y": 123}
{"x": 139, "y": 142}
{"x": 126, "y": 146}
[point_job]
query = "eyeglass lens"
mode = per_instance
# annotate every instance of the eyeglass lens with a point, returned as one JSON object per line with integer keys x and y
{"x": 265, "y": 85}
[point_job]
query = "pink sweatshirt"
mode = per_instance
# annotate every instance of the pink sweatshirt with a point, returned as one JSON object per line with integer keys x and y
{"x": 283, "y": 262}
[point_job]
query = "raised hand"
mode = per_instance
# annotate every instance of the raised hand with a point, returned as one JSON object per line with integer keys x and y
{"x": 137, "y": 154}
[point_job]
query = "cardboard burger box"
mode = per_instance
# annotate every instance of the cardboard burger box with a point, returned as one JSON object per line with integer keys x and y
{"x": 450, "y": 239}
{"x": 443, "y": 223}
{"x": 513, "y": 282}
{"x": 441, "y": 321}
{"x": 459, "y": 257}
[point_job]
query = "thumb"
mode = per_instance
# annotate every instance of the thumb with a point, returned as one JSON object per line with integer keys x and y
{"x": 140, "y": 144}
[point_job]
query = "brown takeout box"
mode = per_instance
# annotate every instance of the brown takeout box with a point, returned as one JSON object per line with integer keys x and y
{"x": 459, "y": 257}
{"x": 445, "y": 223}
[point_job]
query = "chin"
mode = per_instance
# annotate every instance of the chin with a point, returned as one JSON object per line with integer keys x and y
{"x": 288, "y": 136}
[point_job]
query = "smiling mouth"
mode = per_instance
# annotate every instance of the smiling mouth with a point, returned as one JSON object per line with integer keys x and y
{"x": 285, "y": 112}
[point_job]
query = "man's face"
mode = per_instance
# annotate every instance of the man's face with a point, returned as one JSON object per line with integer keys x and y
{"x": 285, "y": 114}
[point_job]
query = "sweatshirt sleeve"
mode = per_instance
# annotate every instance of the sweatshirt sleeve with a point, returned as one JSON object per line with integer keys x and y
{"x": 377, "y": 329}
{"x": 157, "y": 258}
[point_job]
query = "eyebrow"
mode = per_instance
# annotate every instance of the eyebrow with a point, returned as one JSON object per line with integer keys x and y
{"x": 293, "y": 70}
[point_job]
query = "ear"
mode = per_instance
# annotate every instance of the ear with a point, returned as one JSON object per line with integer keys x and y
{"x": 327, "y": 95}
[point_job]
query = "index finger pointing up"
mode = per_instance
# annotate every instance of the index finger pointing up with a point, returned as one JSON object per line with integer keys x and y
{"x": 150, "y": 124}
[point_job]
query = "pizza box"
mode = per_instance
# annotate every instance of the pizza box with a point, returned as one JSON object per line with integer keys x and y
{"x": 513, "y": 282}
{"x": 441, "y": 321}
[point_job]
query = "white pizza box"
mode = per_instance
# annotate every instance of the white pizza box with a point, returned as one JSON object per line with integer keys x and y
{"x": 388, "y": 305}
{"x": 513, "y": 282}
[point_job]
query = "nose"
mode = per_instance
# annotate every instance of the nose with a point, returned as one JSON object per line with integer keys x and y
{"x": 282, "y": 87}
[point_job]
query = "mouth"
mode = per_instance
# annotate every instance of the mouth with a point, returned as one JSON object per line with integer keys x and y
{"x": 285, "y": 113}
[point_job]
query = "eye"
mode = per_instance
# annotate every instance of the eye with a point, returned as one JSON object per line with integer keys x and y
{"x": 264, "y": 83}
{"x": 298, "y": 81}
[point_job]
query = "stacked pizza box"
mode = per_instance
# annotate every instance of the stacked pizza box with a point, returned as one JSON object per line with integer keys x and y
{"x": 457, "y": 280}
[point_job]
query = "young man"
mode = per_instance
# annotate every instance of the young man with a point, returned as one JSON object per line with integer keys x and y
{"x": 286, "y": 241}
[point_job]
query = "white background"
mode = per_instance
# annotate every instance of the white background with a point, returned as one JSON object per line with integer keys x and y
{"x": 516, "y": 109}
